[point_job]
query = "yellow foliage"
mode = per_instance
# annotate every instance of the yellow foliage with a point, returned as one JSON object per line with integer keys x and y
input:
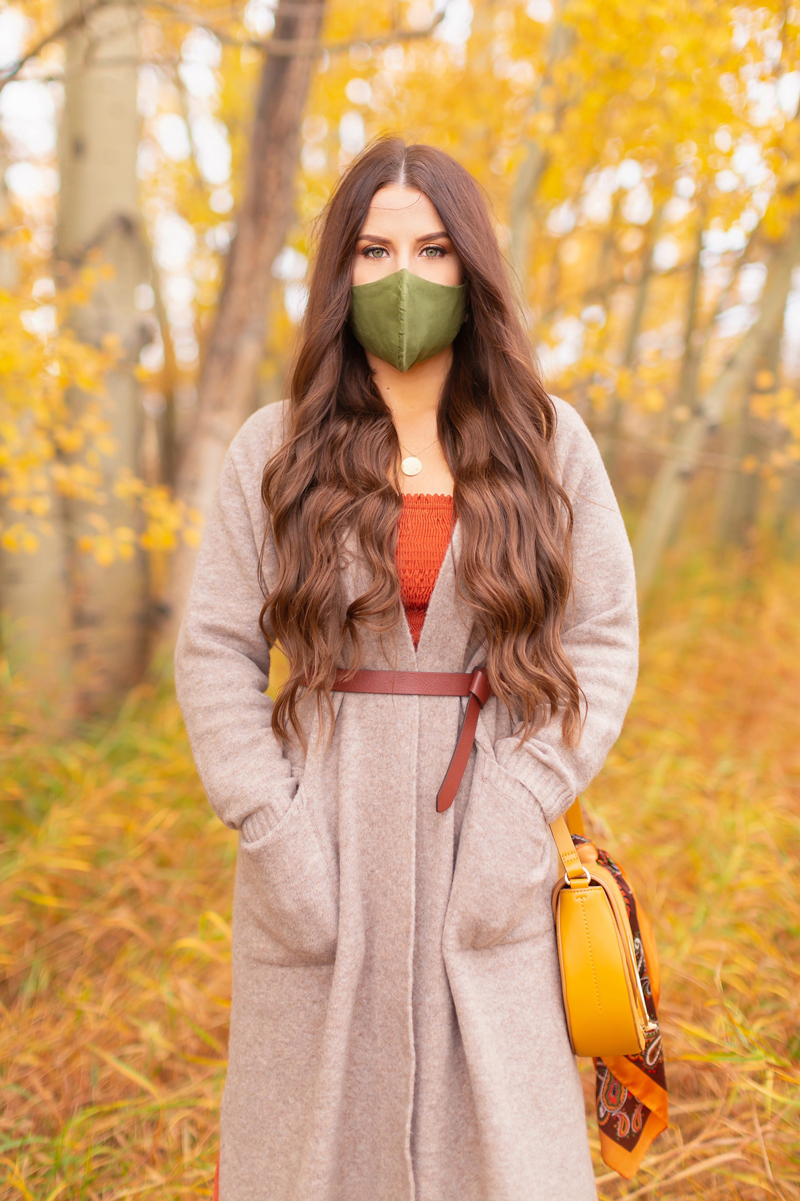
{"x": 782, "y": 407}
{"x": 653, "y": 400}
{"x": 598, "y": 395}
{"x": 37, "y": 427}
{"x": 127, "y": 485}
{"x": 192, "y": 536}
{"x": 625, "y": 381}
{"x": 18, "y": 538}
{"x": 49, "y": 447}
{"x": 101, "y": 547}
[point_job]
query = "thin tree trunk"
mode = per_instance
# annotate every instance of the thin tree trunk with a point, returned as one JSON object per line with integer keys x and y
{"x": 787, "y": 517}
{"x": 99, "y": 208}
{"x": 34, "y": 622}
{"x": 694, "y": 339}
{"x": 692, "y": 336}
{"x": 609, "y": 433}
{"x": 599, "y": 293}
{"x": 739, "y": 490}
{"x": 9, "y": 263}
{"x": 166, "y": 426}
{"x": 229, "y": 377}
{"x": 535, "y": 162}
{"x": 668, "y": 493}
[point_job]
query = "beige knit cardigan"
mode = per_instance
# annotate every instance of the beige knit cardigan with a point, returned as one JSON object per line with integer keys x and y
{"x": 397, "y": 1031}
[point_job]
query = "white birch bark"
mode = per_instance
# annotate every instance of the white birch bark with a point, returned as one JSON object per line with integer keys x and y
{"x": 739, "y": 492}
{"x": 33, "y": 596}
{"x": 99, "y": 209}
{"x": 668, "y": 492}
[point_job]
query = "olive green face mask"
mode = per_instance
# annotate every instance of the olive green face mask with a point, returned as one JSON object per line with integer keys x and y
{"x": 404, "y": 319}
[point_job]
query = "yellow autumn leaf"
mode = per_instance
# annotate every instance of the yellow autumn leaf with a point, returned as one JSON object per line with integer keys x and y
{"x": 103, "y": 550}
{"x": 625, "y": 383}
{"x": 653, "y": 400}
{"x": 192, "y": 536}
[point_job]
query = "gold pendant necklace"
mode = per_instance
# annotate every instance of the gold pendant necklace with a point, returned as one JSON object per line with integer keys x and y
{"x": 412, "y": 464}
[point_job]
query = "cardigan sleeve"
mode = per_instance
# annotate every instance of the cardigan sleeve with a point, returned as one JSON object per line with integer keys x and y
{"x": 222, "y": 660}
{"x": 600, "y": 638}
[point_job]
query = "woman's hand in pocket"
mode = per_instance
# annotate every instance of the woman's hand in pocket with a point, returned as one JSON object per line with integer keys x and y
{"x": 504, "y": 867}
{"x": 286, "y": 891}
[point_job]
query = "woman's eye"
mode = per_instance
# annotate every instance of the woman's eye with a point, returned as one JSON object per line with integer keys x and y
{"x": 375, "y": 252}
{"x": 434, "y": 252}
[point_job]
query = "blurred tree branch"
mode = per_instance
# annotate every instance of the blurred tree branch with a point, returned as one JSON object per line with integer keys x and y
{"x": 75, "y": 21}
{"x": 289, "y": 47}
{"x": 273, "y": 47}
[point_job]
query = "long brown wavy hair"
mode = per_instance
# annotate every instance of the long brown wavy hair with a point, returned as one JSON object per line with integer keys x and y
{"x": 337, "y": 471}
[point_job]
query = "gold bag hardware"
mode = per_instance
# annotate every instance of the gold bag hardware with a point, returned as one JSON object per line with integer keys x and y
{"x": 603, "y": 999}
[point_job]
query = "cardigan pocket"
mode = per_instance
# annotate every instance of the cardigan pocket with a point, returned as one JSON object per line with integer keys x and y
{"x": 287, "y": 892}
{"x": 504, "y": 872}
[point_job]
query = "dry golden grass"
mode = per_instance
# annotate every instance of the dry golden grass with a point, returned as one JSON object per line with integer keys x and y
{"x": 115, "y": 892}
{"x": 116, "y": 886}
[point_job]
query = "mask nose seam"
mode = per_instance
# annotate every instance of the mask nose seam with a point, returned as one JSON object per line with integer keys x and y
{"x": 402, "y": 331}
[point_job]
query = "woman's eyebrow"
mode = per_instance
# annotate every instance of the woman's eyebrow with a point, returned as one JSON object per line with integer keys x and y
{"x": 440, "y": 233}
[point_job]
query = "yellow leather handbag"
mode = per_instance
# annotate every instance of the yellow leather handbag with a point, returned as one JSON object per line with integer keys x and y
{"x": 606, "y": 1010}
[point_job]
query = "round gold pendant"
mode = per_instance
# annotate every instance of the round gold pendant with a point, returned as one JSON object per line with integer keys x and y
{"x": 411, "y": 466}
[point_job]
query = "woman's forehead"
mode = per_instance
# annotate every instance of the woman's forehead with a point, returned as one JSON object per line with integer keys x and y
{"x": 401, "y": 206}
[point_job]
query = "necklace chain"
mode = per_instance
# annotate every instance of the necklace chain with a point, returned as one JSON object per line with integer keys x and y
{"x": 422, "y": 452}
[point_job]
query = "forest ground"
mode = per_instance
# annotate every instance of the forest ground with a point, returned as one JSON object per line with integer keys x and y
{"x": 115, "y": 900}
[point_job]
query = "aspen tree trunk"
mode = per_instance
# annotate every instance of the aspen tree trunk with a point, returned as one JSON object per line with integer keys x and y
{"x": 166, "y": 426}
{"x": 739, "y": 491}
{"x": 33, "y": 594}
{"x": 692, "y": 336}
{"x": 598, "y": 293}
{"x": 9, "y": 267}
{"x": 99, "y": 213}
{"x": 609, "y": 432}
{"x": 787, "y": 517}
{"x": 668, "y": 492}
{"x": 537, "y": 157}
{"x": 228, "y": 384}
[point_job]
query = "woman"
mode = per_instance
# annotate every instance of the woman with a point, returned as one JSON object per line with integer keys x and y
{"x": 397, "y": 1030}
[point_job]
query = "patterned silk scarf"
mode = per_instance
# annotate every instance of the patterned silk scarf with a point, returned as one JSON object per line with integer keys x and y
{"x": 630, "y": 1090}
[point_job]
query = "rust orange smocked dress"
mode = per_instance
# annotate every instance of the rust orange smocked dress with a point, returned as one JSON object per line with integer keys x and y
{"x": 423, "y": 536}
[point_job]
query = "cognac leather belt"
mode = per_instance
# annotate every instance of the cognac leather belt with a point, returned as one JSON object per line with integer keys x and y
{"x": 473, "y": 684}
